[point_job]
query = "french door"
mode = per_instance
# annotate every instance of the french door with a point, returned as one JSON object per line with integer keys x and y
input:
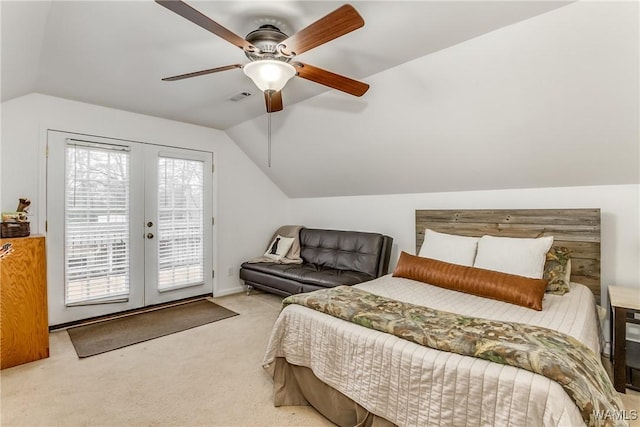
{"x": 128, "y": 225}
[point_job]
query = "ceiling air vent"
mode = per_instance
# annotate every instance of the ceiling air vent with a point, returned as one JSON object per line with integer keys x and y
{"x": 240, "y": 96}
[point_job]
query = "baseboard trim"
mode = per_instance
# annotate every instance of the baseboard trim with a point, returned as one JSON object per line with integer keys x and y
{"x": 229, "y": 291}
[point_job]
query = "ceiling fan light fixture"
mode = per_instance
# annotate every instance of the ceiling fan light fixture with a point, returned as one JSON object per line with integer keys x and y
{"x": 269, "y": 74}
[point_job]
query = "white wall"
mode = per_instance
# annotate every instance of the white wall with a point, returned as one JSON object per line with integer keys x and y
{"x": 395, "y": 215}
{"x": 249, "y": 206}
{"x": 551, "y": 101}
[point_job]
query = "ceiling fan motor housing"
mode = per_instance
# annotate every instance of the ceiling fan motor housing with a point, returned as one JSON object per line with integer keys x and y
{"x": 266, "y": 38}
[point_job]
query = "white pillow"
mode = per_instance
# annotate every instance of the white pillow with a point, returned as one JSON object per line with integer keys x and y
{"x": 279, "y": 247}
{"x": 523, "y": 257}
{"x": 449, "y": 248}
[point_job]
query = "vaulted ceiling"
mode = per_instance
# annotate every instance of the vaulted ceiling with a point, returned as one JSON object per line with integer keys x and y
{"x": 464, "y": 94}
{"x": 114, "y": 53}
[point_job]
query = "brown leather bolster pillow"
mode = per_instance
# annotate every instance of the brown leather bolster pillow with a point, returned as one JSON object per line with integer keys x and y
{"x": 505, "y": 287}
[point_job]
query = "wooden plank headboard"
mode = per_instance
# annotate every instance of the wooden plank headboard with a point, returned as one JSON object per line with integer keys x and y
{"x": 576, "y": 229}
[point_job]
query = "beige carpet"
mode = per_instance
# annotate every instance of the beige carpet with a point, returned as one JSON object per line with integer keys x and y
{"x": 206, "y": 376}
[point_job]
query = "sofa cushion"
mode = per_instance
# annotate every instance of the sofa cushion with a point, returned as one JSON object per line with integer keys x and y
{"x": 311, "y": 274}
{"x": 341, "y": 250}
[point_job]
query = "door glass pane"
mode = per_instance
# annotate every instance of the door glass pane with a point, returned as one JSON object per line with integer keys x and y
{"x": 96, "y": 224}
{"x": 180, "y": 222}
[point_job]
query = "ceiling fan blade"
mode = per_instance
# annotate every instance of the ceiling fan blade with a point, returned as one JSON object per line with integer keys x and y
{"x": 205, "y": 22}
{"x": 327, "y": 78}
{"x": 275, "y": 103}
{"x": 337, "y": 23}
{"x": 201, "y": 73}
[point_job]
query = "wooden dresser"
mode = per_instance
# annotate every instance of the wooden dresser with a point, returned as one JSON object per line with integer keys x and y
{"x": 24, "y": 324}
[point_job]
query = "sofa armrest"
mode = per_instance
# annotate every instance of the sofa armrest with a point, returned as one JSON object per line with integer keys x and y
{"x": 385, "y": 254}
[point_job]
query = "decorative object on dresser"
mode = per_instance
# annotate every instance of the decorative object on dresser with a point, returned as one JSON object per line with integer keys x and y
{"x": 625, "y": 355}
{"x": 328, "y": 258}
{"x": 16, "y": 224}
{"x": 23, "y": 291}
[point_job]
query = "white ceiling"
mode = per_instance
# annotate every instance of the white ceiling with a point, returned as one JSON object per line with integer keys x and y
{"x": 114, "y": 53}
{"x": 552, "y": 101}
{"x": 465, "y": 95}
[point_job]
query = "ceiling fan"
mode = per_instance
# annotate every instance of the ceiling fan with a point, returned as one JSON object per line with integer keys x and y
{"x": 271, "y": 51}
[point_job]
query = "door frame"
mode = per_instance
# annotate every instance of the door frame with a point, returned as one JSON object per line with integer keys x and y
{"x": 44, "y": 213}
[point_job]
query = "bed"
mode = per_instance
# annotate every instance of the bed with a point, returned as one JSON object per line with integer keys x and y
{"x": 361, "y": 376}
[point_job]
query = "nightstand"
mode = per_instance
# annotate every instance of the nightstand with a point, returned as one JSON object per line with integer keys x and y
{"x": 625, "y": 355}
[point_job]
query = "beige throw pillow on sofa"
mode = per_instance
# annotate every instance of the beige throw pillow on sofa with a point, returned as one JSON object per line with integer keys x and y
{"x": 279, "y": 247}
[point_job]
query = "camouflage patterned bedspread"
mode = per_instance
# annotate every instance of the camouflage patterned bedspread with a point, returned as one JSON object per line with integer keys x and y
{"x": 552, "y": 354}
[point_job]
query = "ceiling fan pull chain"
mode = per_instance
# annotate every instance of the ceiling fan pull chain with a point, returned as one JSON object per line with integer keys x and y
{"x": 269, "y": 131}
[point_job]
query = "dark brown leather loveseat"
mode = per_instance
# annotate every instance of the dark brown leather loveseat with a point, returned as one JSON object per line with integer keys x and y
{"x": 330, "y": 258}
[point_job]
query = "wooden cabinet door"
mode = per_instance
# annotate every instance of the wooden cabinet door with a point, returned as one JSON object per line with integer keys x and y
{"x": 23, "y": 291}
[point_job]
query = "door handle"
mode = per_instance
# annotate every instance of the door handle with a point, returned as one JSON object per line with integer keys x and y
{"x": 149, "y": 235}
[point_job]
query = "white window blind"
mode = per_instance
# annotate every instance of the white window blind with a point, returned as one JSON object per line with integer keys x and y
{"x": 180, "y": 222}
{"x": 96, "y": 223}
